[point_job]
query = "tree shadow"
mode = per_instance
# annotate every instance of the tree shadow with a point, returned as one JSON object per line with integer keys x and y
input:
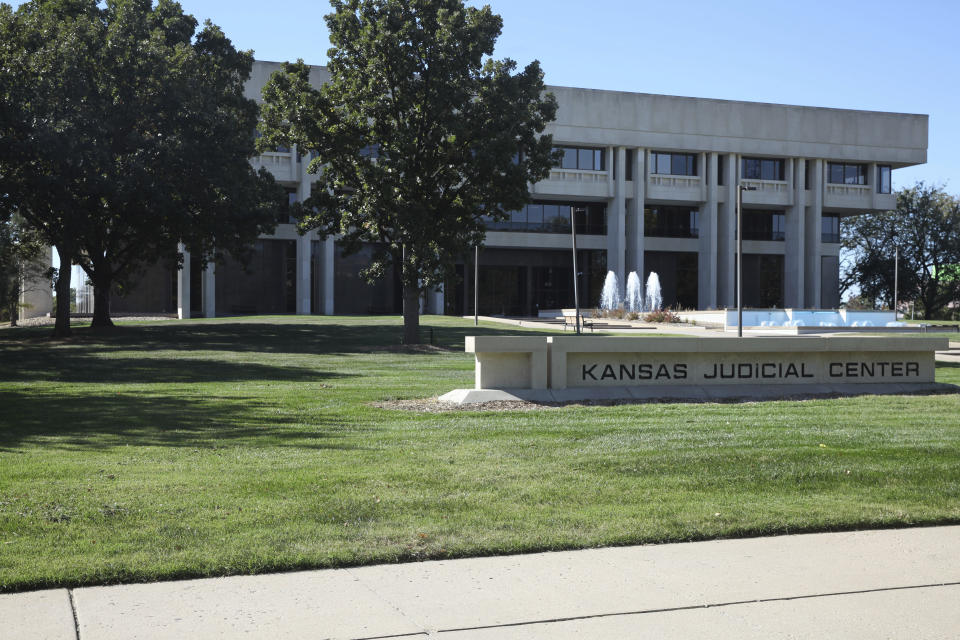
{"x": 273, "y": 335}
{"x": 89, "y": 421}
{"x": 85, "y": 365}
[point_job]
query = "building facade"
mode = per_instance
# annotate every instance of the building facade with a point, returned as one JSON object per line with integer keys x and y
{"x": 650, "y": 182}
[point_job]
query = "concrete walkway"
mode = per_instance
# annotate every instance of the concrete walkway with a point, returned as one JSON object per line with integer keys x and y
{"x": 872, "y": 584}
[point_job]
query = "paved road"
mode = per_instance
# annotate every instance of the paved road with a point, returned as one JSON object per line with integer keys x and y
{"x": 872, "y": 584}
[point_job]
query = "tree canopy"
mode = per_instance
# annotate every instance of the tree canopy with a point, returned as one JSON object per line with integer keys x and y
{"x": 420, "y": 134}
{"x": 925, "y": 230}
{"x": 125, "y": 131}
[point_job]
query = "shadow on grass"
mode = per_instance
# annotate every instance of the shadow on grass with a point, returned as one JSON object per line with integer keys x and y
{"x": 268, "y": 335}
{"x": 93, "y": 421}
{"x": 83, "y": 365}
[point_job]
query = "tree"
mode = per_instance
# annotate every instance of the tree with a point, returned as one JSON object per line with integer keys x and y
{"x": 125, "y": 131}
{"x": 925, "y": 230}
{"x": 20, "y": 268}
{"x": 419, "y": 135}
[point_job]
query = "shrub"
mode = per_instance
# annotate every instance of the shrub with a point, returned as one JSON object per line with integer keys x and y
{"x": 662, "y": 316}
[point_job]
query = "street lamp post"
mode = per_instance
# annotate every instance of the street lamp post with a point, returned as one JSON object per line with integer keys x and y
{"x": 740, "y": 189}
{"x": 896, "y": 279}
{"x": 576, "y": 292}
{"x": 476, "y": 282}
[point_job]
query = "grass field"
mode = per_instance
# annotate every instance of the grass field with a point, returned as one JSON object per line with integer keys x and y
{"x": 227, "y": 446}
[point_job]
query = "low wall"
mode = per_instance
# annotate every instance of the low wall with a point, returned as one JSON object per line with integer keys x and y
{"x": 809, "y": 318}
{"x": 584, "y": 367}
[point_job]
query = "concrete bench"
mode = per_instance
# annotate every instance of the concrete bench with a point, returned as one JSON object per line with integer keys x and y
{"x": 509, "y": 362}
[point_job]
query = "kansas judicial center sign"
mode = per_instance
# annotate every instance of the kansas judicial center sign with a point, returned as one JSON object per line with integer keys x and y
{"x": 647, "y": 366}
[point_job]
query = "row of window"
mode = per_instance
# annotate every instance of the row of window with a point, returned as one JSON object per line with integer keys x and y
{"x": 658, "y": 221}
{"x": 554, "y": 217}
{"x": 685, "y": 164}
{"x": 684, "y": 222}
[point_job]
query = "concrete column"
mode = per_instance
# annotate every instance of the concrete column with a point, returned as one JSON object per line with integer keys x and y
{"x": 616, "y": 219}
{"x": 812, "y": 251}
{"x": 303, "y": 245}
{"x": 872, "y": 182}
{"x": 435, "y": 301}
{"x": 635, "y": 235}
{"x": 209, "y": 287}
{"x": 326, "y": 275}
{"x": 704, "y": 177}
{"x": 707, "y": 260}
{"x": 183, "y": 285}
{"x": 303, "y": 275}
{"x": 794, "y": 257}
{"x": 727, "y": 234}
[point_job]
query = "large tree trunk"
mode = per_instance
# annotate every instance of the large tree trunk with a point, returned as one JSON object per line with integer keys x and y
{"x": 101, "y": 299}
{"x": 101, "y": 307}
{"x": 411, "y": 314}
{"x": 62, "y": 327}
{"x": 14, "y": 311}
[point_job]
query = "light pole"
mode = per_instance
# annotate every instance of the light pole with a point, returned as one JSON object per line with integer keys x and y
{"x": 576, "y": 293}
{"x": 896, "y": 278}
{"x": 740, "y": 189}
{"x": 476, "y": 282}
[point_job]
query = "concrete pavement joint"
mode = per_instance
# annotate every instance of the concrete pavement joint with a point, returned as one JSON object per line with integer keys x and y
{"x": 417, "y": 623}
{"x": 698, "y": 606}
{"x": 73, "y": 610}
{"x": 398, "y": 635}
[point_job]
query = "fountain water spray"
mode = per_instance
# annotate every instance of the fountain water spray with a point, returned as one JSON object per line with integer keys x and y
{"x": 634, "y": 299}
{"x": 654, "y": 298}
{"x": 610, "y": 296}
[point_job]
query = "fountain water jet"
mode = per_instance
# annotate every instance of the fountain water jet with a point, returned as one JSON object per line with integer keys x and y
{"x": 610, "y": 296}
{"x": 654, "y": 298}
{"x": 634, "y": 298}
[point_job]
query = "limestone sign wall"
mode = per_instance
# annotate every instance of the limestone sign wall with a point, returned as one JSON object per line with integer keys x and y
{"x": 588, "y": 362}
{"x": 627, "y": 365}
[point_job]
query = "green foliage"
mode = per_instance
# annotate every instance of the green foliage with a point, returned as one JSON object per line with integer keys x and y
{"x": 662, "y": 316}
{"x": 420, "y": 134}
{"x": 925, "y": 227}
{"x": 125, "y": 131}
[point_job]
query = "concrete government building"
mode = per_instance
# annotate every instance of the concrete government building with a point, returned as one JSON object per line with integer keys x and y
{"x": 651, "y": 183}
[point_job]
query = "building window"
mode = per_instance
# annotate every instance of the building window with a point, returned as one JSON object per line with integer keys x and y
{"x": 554, "y": 217}
{"x": 830, "y": 228}
{"x": 763, "y": 168}
{"x": 720, "y": 160}
{"x": 763, "y": 225}
{"x": 839, "y": 173}
{"x": 284, "y": 216}
{"x": 883, "y": 178}
{"x": 673, "y": 164}
{"x": 579, "y": 158}
{"x": 671, "y": 222}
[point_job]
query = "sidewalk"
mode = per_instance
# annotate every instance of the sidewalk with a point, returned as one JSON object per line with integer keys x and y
{"x": 902, "y": 583}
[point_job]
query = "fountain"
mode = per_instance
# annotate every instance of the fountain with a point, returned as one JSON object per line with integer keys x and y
{"x": 634, "y": 298}
{"x": 654, "y": 299}
{"x": 610, "y": 296}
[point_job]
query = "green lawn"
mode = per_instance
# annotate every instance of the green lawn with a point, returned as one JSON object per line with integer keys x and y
{"x": 213, "y": 447}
